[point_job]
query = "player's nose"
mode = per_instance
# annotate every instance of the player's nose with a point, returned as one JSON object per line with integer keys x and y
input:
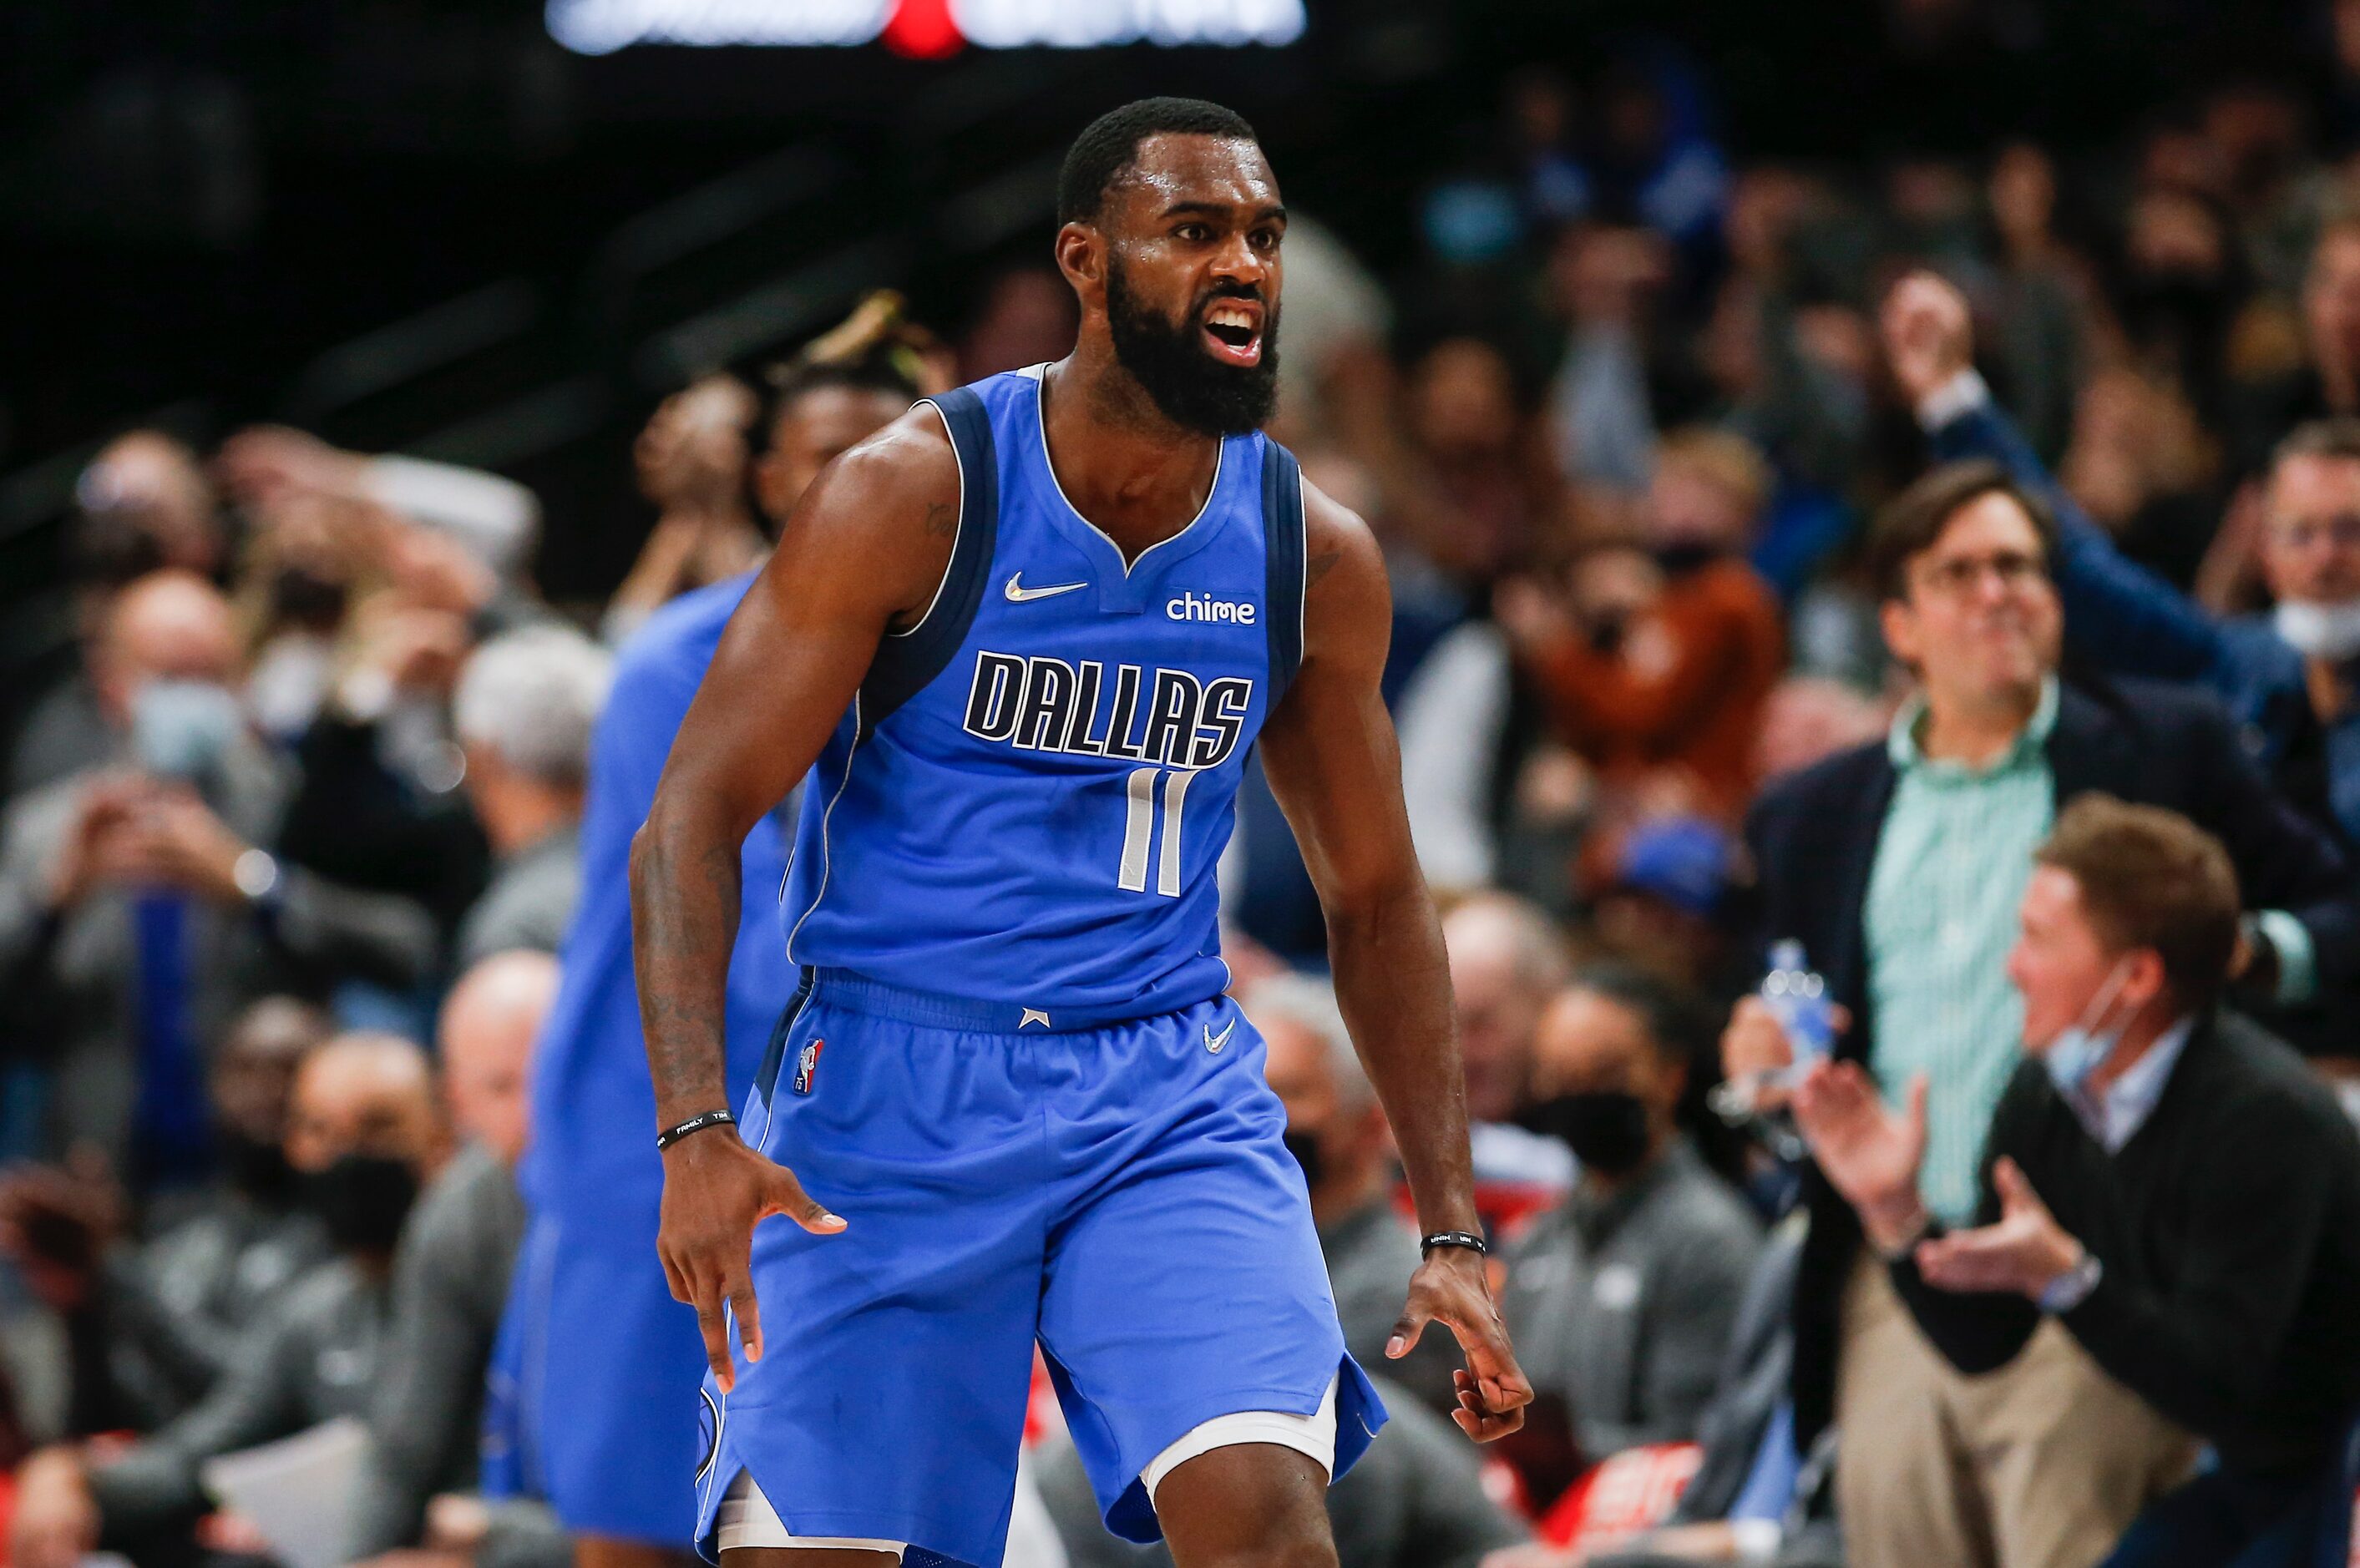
{"x": 1237, "y": 261}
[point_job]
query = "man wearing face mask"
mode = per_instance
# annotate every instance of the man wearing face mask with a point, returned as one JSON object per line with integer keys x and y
{"x": 140, "y": 904}
{"x": 363, "y": 1138}
{"x": 1898, "y": 865}
{"x": 2289, "y": 677}
{"x": 1626, "y": 1294}
{"x": 2162, "y": 1179}
{"x": 150, "y": 1326}
{"x": 144, "y": 502}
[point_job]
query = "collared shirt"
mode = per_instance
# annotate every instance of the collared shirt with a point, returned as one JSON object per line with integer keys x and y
{"x": 1951, "y": 864}
{"x": 2130, "y": 1099}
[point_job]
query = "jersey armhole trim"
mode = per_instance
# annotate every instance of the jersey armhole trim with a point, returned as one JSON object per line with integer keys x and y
{"x": 905, "y": 661}
{"x": 1286, "y": 578}
{"x": 950, "y": 564}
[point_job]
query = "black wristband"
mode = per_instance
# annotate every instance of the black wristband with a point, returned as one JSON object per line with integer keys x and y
{"x": 1466, "y": 1239}
{"x": 671, "y": 1136}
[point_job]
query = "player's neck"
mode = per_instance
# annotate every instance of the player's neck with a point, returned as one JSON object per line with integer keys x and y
{"x": 1131, "y": 472}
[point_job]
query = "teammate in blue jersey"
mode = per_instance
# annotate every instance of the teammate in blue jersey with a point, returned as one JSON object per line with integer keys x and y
{"x": 1021, "y": 644}
{"x": 607, "y": 1354}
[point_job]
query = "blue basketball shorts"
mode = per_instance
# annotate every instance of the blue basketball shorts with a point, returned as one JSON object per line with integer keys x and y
{"x": 1119, "y": 1193}
{"x": 604, "y": 1363}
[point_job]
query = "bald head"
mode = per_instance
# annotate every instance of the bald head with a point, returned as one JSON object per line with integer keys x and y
{"x": 167, "y": 626}
{"x": 1506, "y": 960}
{"x": 147, "y": 487}
{"x": 1308, "y": 1043}
{"x": 363, "y": 1094}
{"x": 488, "y": 1026}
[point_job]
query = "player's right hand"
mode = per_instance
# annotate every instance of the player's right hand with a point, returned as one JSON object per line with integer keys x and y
{"x": 715, "y": 1191}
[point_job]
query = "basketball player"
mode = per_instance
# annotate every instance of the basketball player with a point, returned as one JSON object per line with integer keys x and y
{"x": 1021, "y": 641}
{"x": 613, "y": 1433}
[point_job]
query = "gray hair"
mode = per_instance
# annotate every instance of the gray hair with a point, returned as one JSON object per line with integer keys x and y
{"x": 1535, "y": 948}
{"x": 1309, "y": 1003}
{"x": 532, "y": 696}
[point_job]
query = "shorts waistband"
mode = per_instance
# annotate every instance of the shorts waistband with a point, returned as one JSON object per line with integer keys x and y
{"x": 845, "y": 988}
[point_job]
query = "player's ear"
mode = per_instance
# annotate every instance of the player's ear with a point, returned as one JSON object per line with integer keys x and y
{"x": 1080, "y": 250}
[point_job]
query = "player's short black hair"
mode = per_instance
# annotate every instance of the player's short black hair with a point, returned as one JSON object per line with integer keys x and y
{"x": 1108, "y": 143}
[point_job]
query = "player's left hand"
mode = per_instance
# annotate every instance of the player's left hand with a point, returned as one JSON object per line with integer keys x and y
{"x": 1452, "y": 1287}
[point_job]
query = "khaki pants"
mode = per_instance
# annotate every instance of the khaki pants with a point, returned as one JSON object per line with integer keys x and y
{"x": 2040, "y": 1464}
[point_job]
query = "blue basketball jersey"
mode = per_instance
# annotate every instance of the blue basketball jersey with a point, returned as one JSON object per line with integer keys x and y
{"x": 1027, "y": 800}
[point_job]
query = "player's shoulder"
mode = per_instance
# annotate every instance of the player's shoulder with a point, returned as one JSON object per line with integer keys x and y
{"x": 909, "y": 463}
{"x": 1343, "y": 566}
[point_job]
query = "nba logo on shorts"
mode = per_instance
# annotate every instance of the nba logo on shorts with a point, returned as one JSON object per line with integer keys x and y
{"x": 805, "y": 1065}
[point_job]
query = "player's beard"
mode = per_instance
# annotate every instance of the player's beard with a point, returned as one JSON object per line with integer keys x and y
{"x": 1191, "y": 388}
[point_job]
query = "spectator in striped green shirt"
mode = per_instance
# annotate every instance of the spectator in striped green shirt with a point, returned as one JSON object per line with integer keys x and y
{"x": 1898, "y": 866}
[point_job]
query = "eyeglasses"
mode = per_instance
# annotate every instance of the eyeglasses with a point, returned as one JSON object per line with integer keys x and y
{"x": 1956, "y": 577}
{"x": 2343, "y": 530}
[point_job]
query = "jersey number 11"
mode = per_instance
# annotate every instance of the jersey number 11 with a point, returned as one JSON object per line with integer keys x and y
{"x": 1139, "y": 825}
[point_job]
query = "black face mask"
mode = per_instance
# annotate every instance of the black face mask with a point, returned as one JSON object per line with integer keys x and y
{"x": 1683, "y": 556}
{"x": 1191, "y": 388}
{"x": 1607, "y": 1131}
{"x": 306, "y": 599}
{"x": 1304, "y": 1147}
{"x": 363, "y": 1200}
{"x": 256, "y": 1167}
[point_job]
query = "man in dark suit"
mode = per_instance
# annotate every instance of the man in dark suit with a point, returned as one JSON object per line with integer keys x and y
{"x": 1900, "y": 866}
{"x": 2166, "y": 1181}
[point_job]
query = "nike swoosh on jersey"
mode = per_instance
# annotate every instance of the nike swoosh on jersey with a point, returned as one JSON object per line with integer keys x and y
{"x": 1018, "y": 593}
{"x": 1213, "y": 1042}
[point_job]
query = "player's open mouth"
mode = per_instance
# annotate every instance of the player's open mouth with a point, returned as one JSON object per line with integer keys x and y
{"x": 1233, "y": 332}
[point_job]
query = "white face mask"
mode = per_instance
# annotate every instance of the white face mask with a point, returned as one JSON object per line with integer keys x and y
{"x": 2329, "y": 631}
{"x": 2081, "y": 1048}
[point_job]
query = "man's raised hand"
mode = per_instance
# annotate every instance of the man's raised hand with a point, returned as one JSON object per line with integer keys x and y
{"x": 1929, "y": 333}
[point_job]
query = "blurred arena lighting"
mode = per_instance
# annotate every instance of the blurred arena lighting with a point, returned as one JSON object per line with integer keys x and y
{"x": 921, "y": 27}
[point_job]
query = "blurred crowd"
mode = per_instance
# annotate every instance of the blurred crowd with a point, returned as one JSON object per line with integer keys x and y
{"x": 1778, "y": 552}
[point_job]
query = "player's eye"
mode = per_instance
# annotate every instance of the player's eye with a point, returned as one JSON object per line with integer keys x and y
{"x": 1265, "y": 240}
{"x": 1193, "y": 233}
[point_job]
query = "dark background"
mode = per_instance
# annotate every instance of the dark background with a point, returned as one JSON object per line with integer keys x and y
{"x": 212, "y": 210}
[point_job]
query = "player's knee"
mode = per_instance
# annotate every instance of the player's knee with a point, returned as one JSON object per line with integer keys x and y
{"x": 1274, "y": 1542}
{"x": 1247, "y": 1506}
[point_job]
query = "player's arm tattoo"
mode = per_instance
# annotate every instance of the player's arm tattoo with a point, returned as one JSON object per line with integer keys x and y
{"x": 684, "y": 925}
{"x": 941, "y": 519}
{"x": 1320, "y": 566}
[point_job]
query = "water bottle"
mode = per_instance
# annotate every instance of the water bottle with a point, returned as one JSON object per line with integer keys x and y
{"x": 1798, "y": 998}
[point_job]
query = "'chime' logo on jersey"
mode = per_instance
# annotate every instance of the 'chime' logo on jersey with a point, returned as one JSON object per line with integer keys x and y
{"x": 1040, "y": 703}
